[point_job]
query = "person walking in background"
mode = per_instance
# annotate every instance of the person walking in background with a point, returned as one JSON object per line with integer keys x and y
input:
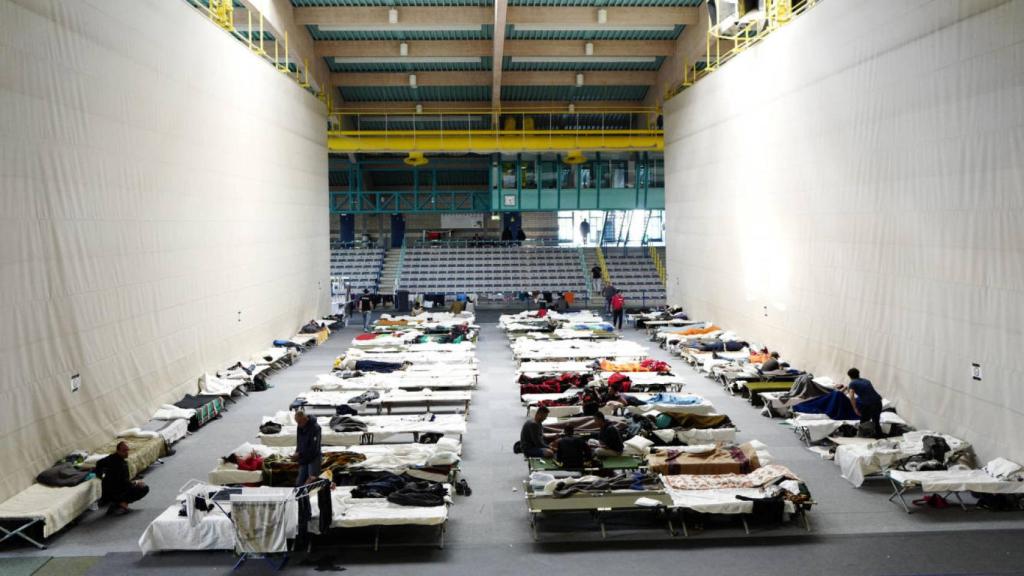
{"x": 585, "y": 230}
{"x": 608, "y": 291}
{"x": 595, "y": 279}
{"x": 618, "y": 309}
{"x": 366, "y": 307}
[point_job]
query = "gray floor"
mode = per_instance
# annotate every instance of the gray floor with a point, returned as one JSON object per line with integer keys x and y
{"x": 856, "y": 531}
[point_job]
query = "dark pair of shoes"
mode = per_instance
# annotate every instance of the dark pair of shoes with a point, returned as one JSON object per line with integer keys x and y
{"x": 116, "y": 510}
{"x": 462, "y": 488}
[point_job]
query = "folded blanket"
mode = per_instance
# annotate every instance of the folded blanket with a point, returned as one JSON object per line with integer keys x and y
{"x": 761, "y": 477}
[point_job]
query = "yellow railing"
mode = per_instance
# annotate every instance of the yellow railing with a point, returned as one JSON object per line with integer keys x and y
{"x": 658, "y": 264}
{"x": 740, "y": 36}
{"x": 222, "y": 13}
{"x": 482, "y": 130}
{"x": 599, "y": 254}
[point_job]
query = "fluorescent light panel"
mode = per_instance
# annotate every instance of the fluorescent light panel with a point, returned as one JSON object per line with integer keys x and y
{"x": 407, "y": 60}
{"x": 583, "y": 59}
{"x": 400, "y": 28}
{"x": 588, "y": 27}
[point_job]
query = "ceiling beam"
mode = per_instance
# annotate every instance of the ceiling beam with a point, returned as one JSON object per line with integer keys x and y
{"x": 500, "y": 10}
{"x": 577, "y": 47}
{"x": 617, "y": 17}
{"x": 545, "y": 78}
{"x": 355, "y": 16}
{"x": 417, "y": 48}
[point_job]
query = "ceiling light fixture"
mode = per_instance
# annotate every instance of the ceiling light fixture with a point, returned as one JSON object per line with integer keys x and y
{"x": 403, "y": 49}
{"x": 412, "y": 80}
{"x": 588, "y": 48}
{"x": 602, "y": 16}
{"x": 393, "y": 16}
{"x": 579, "y": 80}
{"x": 572, "y": 108}
{"x": 419, "y": 108}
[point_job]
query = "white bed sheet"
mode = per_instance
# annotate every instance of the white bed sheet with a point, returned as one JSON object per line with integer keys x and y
{"x": 382, "y": 427}
{"x": 719, "y": 500}
{"x": 957, "y": 481}
{"x": 57, "y": 507}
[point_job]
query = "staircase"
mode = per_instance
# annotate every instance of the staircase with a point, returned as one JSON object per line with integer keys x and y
{"x": 389, "y": 272}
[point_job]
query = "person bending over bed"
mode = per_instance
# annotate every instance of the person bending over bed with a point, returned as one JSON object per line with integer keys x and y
{"x": 309, "y": 455}
{"x": 118, "y": 489}
{"x": 571, "y": 451}
{"x": 608, "y": 439}
{"x": 531, "y": 437}
{"x": 867, "y": 403}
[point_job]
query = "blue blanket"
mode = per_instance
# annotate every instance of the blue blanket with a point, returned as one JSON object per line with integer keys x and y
{"x": 674, "y": 399}
{"x": 835, "y": 405}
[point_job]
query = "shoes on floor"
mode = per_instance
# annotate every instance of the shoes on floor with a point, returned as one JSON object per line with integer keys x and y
{"x": 462, "y": 488}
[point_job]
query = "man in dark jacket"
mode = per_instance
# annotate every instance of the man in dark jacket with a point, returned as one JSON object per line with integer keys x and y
{"x": 571, "y": 451}
{"x": 118, "y": 489}
{"x": 366, "y": 307}
{"x": 531, "y": 437}
{"x": 309, "y": 455}
{"x": 608, "y": 439}
{"x": 595, "y": 279}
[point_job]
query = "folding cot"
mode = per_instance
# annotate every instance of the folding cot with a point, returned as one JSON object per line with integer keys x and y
{"x": 418, "y": 460}
{"x": 426, "y": 399}
{"x": 543, "y": 496}
{"x": 648, "y": 381}
{"x": 39, "y": 511}
{"x": 143, "y": 452}
{"x": 405, "y": 380}
{"x": 950, "y": 482}
{"x": 377, "y": 428}
{"x": 860, "y": 459}
{"x": 206, "y": 409}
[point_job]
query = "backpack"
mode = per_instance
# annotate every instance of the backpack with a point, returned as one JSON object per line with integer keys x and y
{"x": 617, "y": 302}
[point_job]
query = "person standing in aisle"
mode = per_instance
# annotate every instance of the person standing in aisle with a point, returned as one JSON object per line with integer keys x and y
{"x": 366, "y": 307}
{"x": 595, "y": 279}
{"x": 608, "y": 291}
{"x": 309, "y": 456}
{"x": 585, "y": 230}
{"x": 618, "y": 308}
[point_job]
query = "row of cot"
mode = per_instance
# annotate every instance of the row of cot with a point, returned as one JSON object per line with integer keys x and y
{"x": 373, "y": 475}
{"x": 824, "y": 418}
{"x": 64, "y": 492}
{"x": 679, "y": 460}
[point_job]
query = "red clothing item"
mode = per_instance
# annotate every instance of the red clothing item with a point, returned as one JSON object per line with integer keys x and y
{"x": 252, "y": 462}
{"x": 542, "y": 312}
{"x": 618, "y": 301}
{"x": 367, "y": 336}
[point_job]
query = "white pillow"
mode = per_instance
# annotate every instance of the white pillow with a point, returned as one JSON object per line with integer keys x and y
{"x": 446, "y": 444}
{"x": 666, "y": 435}
{"x": 1002, "y": 468}
{"x": 637, "y": 445}
{"x": 443, "y": 459}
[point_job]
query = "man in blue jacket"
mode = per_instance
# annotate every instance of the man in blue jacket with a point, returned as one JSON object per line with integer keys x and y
{"x": 867, "y": 403}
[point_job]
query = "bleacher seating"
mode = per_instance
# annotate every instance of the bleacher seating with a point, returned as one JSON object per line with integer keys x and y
{"x": 360, "y": 267}
{"x": 492, "y": 269}
{"x": 635, "y": 275}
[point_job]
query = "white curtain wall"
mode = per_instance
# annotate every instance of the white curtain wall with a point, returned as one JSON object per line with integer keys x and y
{"x": 851, "y": 192}
{"x": 164, "y": 212}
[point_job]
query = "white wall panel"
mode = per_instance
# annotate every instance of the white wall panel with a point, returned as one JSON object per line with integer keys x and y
{"x": 163, "y": 211}
{"x": 850, "y": 192}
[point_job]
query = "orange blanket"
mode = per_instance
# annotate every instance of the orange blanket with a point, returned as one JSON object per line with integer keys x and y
{"x": 698, "y": 331}
{"x": 758, "y": 357}
{"x": 609, "y": 366}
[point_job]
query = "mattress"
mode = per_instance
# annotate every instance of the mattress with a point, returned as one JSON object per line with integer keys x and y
{"x": 381, "y": 427}
{"x": 716, "y": 460}
{"x": 720, "y": 500}
{"x": 360, "y": 512}
{"x": 142, "y": 453}
{"x": 170, "y": 430}
{"x": 56, "y": 507}
{"x": 394, "y": 381}
{"x": 210, "y": 385}
{"x": 207, "y": 408}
